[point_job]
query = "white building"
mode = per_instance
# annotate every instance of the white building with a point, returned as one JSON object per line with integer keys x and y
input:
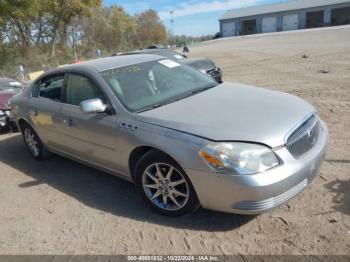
{"x": 284, "y": 16}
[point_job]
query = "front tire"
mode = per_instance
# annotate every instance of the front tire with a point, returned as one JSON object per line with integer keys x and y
{"x": 164, "y": 185}
{"x": 35, "y": 146}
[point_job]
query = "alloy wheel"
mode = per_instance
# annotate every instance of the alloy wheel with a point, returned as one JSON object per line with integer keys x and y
{"x": 165, "y": 186}
{"x": 32, "y": 142}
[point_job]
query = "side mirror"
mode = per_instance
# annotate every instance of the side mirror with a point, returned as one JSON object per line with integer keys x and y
{"x": 93, "y": 106}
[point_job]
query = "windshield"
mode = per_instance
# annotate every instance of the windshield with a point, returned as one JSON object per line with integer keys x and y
{"x": 147, "y": 85}
{"x": 10, "y": 85}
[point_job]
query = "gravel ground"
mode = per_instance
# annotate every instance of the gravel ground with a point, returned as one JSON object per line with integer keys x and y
{"x": 62, "y": 207}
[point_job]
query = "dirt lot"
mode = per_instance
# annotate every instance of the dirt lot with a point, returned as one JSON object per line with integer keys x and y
{"x": 61, "y": 207}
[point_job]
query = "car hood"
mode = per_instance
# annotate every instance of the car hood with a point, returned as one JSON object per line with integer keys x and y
{"x": 5, "y": 97}
{"x": 234, "y": 112}
{"x": 199, "y": 63}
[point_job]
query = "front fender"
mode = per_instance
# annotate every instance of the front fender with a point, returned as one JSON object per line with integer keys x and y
{"x": 182, "y": 147}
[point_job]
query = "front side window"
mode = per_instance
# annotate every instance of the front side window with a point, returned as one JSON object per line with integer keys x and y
{"x": 50, "y": 88}
{"x": 80, "y": 88}
{"x": 146, "y": 85}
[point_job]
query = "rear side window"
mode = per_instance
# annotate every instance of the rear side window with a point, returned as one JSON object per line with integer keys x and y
{"x": 50, "y": 88}
{"x": 80, "y": 88}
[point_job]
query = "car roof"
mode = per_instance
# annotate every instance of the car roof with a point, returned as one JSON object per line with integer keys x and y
{"x": 102, "y": 64}
{"x": 151, "y": 51}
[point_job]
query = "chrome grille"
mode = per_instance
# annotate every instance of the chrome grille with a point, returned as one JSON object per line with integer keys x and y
{"x": 304, "y": 137}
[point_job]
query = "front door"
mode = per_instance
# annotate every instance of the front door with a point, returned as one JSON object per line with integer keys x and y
{"x": 89, "y": 137}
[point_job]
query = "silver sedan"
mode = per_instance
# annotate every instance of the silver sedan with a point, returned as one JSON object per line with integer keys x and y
{"x": 184, "y": 140}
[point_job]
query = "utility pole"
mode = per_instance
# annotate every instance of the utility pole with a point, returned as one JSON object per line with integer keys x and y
{"x": 172, "y": 26}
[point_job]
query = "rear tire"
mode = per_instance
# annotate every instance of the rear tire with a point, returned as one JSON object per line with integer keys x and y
{"x": 164, "y": 185}
{"x": 35, "y": 146}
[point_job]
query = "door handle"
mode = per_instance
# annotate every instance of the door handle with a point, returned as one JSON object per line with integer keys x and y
{"x": 68, "y": 122}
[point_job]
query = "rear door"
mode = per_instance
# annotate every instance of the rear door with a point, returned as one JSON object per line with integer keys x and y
{"x": 90, "y": 137}
{"x": 45, "y": 107}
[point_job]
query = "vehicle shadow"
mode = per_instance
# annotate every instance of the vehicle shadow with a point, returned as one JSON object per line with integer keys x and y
{"x": 4, "y": 131}
{"x": 341, "y": 199}
{"x": 102, "y": 191}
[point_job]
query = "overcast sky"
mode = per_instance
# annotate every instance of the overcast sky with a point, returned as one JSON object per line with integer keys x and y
{"x": 191, "y": 17}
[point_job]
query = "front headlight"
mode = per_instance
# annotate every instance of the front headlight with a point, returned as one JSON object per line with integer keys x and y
{"x": 241, "y": 158}
{"x": 2, "y": 113}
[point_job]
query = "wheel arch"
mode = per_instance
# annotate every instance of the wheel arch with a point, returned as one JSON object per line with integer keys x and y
{"x": 21, "y": 122}
{"x": 138, "y": 152}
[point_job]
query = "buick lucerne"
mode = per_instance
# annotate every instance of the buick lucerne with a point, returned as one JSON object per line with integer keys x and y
{"x": 183, "y": 139}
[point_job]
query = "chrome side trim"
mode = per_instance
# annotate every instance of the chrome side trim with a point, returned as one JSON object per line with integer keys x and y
{"x": 273, "y": 201}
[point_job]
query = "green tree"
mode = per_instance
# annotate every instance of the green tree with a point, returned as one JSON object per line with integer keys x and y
{"x": 150, "y": 29}
{"x": 97, "y": 32}
{"x": 17, "y": 17}
{"x": 110, "y": 29}
{"x": 44, "y": 33}
{"x": 124, "y": 28}
{"x": 60, "y": 13}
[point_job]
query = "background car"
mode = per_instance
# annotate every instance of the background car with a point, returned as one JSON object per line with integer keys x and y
{"x": 204, "y": 65}
{"x": 8, "y": 88}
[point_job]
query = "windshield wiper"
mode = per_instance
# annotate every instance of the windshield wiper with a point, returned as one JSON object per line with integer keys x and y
{"x": 150, "y": 107}
{"x": 202, "y": 89}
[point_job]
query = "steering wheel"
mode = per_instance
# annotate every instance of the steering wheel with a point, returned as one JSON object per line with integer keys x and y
{"x": 164, "y": 83}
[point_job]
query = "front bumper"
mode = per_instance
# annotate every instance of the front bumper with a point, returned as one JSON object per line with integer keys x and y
{"x": 256, "y": 194}
{"x": 7, "y": 121}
